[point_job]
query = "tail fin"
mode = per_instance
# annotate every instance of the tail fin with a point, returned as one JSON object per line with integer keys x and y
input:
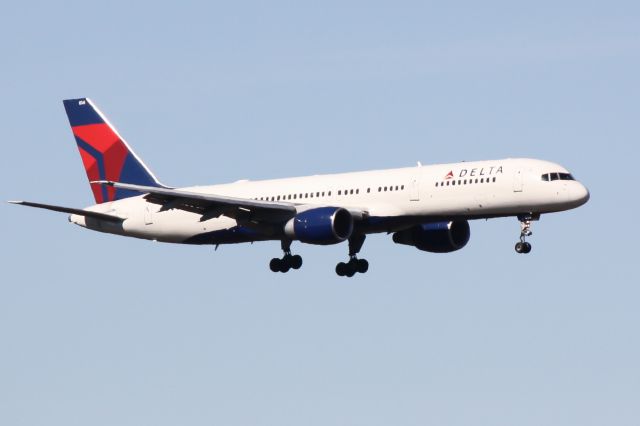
{"x": 105, "y": 154}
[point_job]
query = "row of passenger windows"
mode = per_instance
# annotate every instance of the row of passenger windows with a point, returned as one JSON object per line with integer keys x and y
{"x": 320, "y": 194}
{"x": 557, "y": 176}
{"x": 465, "y": 181}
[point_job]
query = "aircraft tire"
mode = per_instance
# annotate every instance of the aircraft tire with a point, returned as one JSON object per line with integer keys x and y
{"x": 296, "y": 261}
{"x": 351, "y": 271}
{"x": 275, "y": 265}
{"x": 362, "y": 266}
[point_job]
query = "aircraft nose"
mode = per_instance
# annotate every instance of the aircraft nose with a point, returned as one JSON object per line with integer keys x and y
{"x": 581, "y": 194}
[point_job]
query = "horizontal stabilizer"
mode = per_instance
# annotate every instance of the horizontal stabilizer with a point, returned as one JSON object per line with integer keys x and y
{"x": 70, "y": 210}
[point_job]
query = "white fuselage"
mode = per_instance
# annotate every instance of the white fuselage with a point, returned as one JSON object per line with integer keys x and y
{"x": 391, "y": 200}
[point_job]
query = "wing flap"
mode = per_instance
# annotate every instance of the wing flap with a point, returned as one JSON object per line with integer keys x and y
{"x": 210, "y": 205}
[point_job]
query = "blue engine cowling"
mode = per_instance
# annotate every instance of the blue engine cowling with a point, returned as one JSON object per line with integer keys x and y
{"x": 324, "y": 225}
{"x": 437, "y": 237}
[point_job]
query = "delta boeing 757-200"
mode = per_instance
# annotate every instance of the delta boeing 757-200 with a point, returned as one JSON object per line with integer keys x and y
{"x": 427, "y": 207}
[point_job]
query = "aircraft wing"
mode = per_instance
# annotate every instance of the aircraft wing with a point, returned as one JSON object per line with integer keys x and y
{"x": 70, "y": 210}
{"x": 210, "y": 205}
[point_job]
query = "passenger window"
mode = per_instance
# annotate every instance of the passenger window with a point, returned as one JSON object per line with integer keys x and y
{"x": 481, "y": 180}
{"x": 368, "y": 190}
{"x": 494, "y": 179}
{"x": 357, "y": 191}
{"x": 339, "y": 192}
{"x": 402, "y": 187}
{"x": 436, "y": 184}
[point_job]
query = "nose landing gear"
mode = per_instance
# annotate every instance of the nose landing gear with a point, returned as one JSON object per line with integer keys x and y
{"x": 288, "y": 261}
{"x": 525, "y": 231}
{"x": 354, "y": 264}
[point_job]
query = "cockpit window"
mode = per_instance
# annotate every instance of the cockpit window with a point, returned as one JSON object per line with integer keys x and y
{"x": 565, "y": 176}
{"x": 556, "y": 176}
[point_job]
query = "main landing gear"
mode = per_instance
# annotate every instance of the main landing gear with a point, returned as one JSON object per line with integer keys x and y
{"x": 523, "y": 246}
{"x": 354, "y": 264}
{"x": 288, "y": 261}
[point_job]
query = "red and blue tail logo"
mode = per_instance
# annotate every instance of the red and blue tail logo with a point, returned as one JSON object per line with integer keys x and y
{"x": 105, "y": 155}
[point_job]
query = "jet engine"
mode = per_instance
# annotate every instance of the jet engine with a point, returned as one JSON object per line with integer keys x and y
{"x": 323, "y": 226}
{"x": 437, "y": 237}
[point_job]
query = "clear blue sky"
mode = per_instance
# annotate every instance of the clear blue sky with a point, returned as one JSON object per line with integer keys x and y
{"x": 102, "y": 330}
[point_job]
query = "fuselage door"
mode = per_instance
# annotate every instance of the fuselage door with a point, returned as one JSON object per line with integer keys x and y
{"x": 517, "y": 180}
{"x": 414, "y": 190}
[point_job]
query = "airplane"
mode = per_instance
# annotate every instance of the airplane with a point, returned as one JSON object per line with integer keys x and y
{"x": 426, "y": 207}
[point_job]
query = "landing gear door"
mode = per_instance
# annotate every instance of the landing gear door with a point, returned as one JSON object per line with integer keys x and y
{"x": 517, "y": 180}
{"x": 414, "y": 190}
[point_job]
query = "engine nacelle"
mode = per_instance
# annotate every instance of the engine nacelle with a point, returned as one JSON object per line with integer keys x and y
{"x": 438, "y": 237}
{"x": 324, "y": 225}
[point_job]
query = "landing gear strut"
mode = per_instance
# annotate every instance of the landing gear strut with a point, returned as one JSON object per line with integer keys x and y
{"x": 288, "y": 261}
{"x": 354, "y": 264}
{"x": 525, "y": 231}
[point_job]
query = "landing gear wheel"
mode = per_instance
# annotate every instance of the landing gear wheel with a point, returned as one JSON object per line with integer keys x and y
{"x": 351, "y": 270}
{"x": 288, "y": 261}
{"x": 354, "y": 265}
{"x": 525, "y": 231}
{"x": 363, "y": 266}
{"x": 285, "y": 264}
{"x": 275, "y": 265}
{"x": 296, "y": 261}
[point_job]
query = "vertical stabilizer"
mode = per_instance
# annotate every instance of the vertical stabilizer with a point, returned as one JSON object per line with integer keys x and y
{"x": 105, "y": 154}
